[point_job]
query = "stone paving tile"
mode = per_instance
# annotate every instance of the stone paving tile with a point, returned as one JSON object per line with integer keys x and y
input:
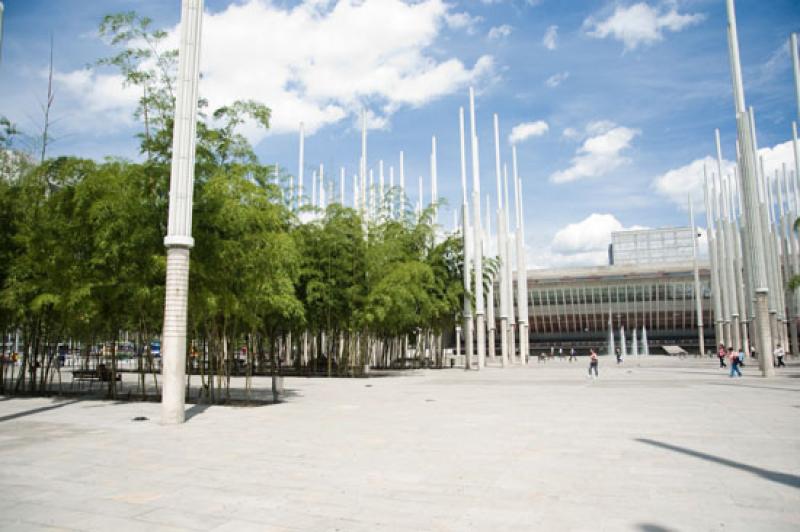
{"x": 655, "y": 445}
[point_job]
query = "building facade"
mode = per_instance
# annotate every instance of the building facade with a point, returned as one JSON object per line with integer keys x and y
{"x": 577, "y": 306}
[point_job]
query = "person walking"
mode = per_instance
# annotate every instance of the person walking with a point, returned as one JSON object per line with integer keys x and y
{"x": 619, "y": 356}
{"x": 572, "y": 356}
{"x": 593, "y": 363}
{"x": 561, "y": 353}
{"x": 721, "y": 354}
{"x": 779, "y": 354}
{"x": 734, "y": 358}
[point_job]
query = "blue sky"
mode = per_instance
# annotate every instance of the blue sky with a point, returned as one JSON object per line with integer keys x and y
{"x": 630, "y": 92}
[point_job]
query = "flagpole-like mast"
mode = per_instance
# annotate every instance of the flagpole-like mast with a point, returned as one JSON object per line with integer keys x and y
{"x": 501, "y": 252}
{"x": 795, "y": 64}
{"x": 300, "y": 164}
{"x": 712, "y": 247}
{"x": 480, "y": 322}
{"x": 507, "y": 265}
{"x": 748, "y": 176}
{"x": 697, "y": 294}
{"x": 522, "y": 272}
{"x": 467, "y": 313}
{"x": 179, "y": 239}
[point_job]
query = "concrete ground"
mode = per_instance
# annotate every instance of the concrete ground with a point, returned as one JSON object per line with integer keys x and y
{"x": 653, "y": 445}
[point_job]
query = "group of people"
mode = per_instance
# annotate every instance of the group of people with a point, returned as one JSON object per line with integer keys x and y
{"x": 543, "y": 357}
{"x": 736, "y": 359}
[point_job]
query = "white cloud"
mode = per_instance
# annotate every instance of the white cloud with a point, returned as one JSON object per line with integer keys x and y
{"x": 318, "y": 62}
{"x": 550, "y": 40}
{"x": 500, "y": 32}
{"x": 675, "y": 184}
{"x": 463, "y": 20}
{"x": 571, "y": 133}
{"x": 600, "y": 153}
{"x": 96, "y": 95}
{"x": 526, "y": 130}
{"x": 556, "y": 79}
{"x": 583, "y": 243}
{"x": 640, "y": 24}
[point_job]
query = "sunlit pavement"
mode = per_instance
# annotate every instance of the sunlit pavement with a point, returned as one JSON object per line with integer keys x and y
{"x": 655, "y": 444}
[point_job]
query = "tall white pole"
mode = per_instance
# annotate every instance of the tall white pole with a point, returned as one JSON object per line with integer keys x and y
{"x": 300, "y": 165}
{"x": 380, "y": 185}
{"x": 434, "y": 183}
{"x": 508, "y": 270}
{"x": 796, "y": 68}
{"x": 2, "y": 9}
{"x": 698, "y": 296}
{"x": 321, "y": 196}
{"x": 490, "y": 317}
{"x": 341, "y": 186}
{"x": 522, "y": 273}
{"x": 480, "y": 323}
{"x": 748, "y": 176}
{"x": 391, "y": 192}
{"x": 402, "y": 187}
{"x": 363, "y": 167}
{"x": 314, "y": 188}
{"x": 501, "y": 251}
{"x": 467, "y": 312}
{"x": 714, "y": 260}
{"x": 179, "y": 239}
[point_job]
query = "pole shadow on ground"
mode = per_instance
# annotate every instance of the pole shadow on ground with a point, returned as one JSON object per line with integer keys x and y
{"x": 39, "y": 410}
{"x": 775, "y": 476}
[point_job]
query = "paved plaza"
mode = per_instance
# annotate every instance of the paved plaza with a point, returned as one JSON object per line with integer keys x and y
{"x": 653, "y": 445}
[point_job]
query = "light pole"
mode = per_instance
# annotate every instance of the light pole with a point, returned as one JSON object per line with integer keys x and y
{"x": 179, "y": 239}
{"x": 748, "y": 175}
{"x": 2, "y": 9}
{"x": 698, "y": 300}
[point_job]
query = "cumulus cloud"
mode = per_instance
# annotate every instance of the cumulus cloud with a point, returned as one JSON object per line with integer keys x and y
{"x": 97, "y": 95}
{"x": 500, "y": 32}
{"x": 600, "y": 153}
{"x": 556, "y": 79}
{"x": 462, "y": 20}
{"x": 526, "y": 130}
{"x": 675, "y": 184}
{"x": 584, "y": 243}
{"x": 318, "y": 62}
{"x": 640, "y": 24}
{"x": 550, "y": 39}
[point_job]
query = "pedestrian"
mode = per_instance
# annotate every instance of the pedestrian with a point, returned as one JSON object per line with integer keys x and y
{"x": 779, "y": 353}
{"x": 593, "y": 363}
{"x": 619, "y": 356}
{"x": 561, "y": 353}
{"x": 734, "y": 358}
{"x": 572, "y": 356}
{"x": 741, "y": 357}
{"x": 721, "y": 354}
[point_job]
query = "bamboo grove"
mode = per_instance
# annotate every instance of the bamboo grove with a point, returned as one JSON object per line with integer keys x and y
{"x": 272, "y": 288}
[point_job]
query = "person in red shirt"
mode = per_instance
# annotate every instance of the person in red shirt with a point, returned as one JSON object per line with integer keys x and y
{"x": 721, "y": 353}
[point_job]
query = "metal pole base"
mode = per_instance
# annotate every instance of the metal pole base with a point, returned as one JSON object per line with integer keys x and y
{"x": 480, "y": 324}
{"x": 764, "y": 336}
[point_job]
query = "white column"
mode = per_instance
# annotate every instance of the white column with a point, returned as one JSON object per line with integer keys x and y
{"x": 698, "y": 296}
{"x": 748, "y": 176}
{"x": 434, "y": 183}
{"x": 796, "y": 65}
{"x": 300, "y": 164}
{"x": 465, "y": 232}
{"x": 402, "y": 187}
{"x": 179, "y": 230}
{"x": 480, "y": 323}
{"x": 522, "y": 273}
{"x": 501, "y": 251}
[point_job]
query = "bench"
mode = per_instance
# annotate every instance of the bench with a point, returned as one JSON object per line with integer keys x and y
{"x": 99, "y": 374}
